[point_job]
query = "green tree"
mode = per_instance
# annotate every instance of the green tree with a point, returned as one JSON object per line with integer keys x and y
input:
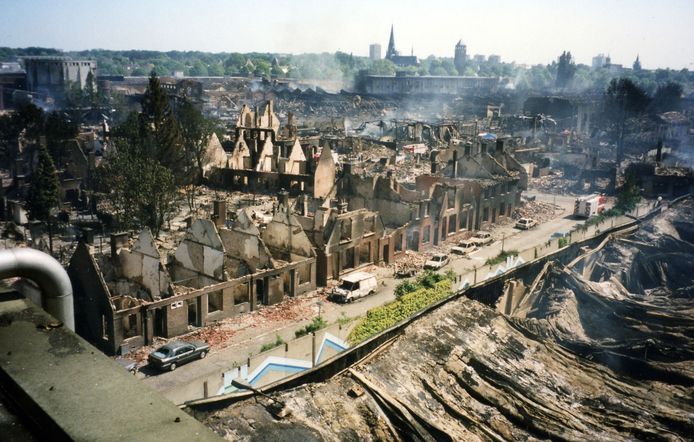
{"x": 198, "y": 70}
{"x": 155, "y": 103}
{"x": 382, "y": 67}
{"x": 668, "y": 97}
{"x": 140, "y": 190}
{"x": 566, "y": 69}
{"x": 44, "y": 192}
{"x": 195, "y": 133}
{"x": 159, "y": 132}
{"x": 628, "y": 195}
{"x": 31, "y": 117}
{"x": 90, "y": 95}
{"x": 622, "y": 101}
{"x": 58, "y": 128}
{"x": 216, "y": 70}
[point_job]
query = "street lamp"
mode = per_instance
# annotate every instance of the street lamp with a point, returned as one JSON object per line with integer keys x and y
{"x": 319, "y": 304}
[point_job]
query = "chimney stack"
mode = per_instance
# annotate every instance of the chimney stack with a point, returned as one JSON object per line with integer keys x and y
{"x": 283, "y": 197}
{"x": 659, "y": 152}
{"x": 424, "y": 208}
{"x": 219, "y": 212}
{"x": 118, "y": 240}
{"x": 454, "y": 173}
{"x": 434, "y": 157}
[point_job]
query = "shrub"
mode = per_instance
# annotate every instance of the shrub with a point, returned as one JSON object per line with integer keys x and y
{"x": 501, "y": 257}
{"x": 343, "y": 319}
{"x": 315, "y": 325}
{"x": 270, "y": 345}
{"x": 405, "y": 287}
{"x": 386, "y": 316}
{"x": 563, "y": 242}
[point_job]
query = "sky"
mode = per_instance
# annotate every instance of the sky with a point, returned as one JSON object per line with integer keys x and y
{"x": 661, "y": 32}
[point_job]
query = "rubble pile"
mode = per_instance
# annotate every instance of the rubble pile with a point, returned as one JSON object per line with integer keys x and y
{"x": 554, "y": 183}
{"x": 220, "y": 334}
{"x": 540, "y": 211}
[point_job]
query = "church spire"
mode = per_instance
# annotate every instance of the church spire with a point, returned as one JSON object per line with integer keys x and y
{"x": 391, "y": 44}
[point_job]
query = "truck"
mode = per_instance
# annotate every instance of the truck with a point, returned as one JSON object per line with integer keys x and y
{"x": 589, "y": 206}
{"x": 354, "y": 286}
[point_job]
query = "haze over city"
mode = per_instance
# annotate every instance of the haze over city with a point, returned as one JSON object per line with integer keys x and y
{"x": 529, "y": 32}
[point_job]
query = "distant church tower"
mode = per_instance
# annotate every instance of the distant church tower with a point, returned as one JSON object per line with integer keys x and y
{"x": 460, "y": 57}
{"x": 637, "y": 64}
{"x": 391, "y": 52}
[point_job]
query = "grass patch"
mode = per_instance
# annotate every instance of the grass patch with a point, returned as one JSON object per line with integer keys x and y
{"x": 386, "y": 316}
{"x": 429, "y": 280}
{"x": 599, "y": 219}
{"x": 501, "y": 257}
{"x": 344, "y": 319}
{"x": 315, "y": 325}
{"x": 270, "y": 345}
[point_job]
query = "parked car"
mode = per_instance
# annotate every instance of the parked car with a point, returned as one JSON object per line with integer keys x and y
{"x": 406, "y": 272}
{"x": 129, "y": 365}
{"x": 560, "y": 234}
{"x": 464, "y": 247}
{"x": 177, "y": 353}
{"x": 437, "y": 261}
{"x": 526, "y": 223}
{"x": 482, "y": 238}
{"x": 354, "y": 286}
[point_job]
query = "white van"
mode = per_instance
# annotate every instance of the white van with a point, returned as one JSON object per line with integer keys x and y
{"x": 354, "y": 286}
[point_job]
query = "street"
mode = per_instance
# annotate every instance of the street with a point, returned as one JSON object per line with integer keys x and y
{"x": 247, "y": 341}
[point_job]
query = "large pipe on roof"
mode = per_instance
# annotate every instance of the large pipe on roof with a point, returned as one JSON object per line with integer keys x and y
{"x": 48, "y": 274}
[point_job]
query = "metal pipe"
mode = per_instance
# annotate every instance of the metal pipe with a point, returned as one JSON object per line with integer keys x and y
{"x": 48, "y": 274}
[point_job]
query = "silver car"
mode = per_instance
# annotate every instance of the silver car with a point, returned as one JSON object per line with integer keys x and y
{"x": 177, "y": 353}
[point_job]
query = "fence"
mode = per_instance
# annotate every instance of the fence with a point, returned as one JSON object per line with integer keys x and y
{"x": 294, "y": 356}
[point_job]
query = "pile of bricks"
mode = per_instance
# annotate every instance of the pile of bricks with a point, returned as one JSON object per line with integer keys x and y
{"x": 540, "y": 211}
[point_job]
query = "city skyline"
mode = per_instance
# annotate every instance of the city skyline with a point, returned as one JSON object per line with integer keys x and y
{"x": 534, "y": 33}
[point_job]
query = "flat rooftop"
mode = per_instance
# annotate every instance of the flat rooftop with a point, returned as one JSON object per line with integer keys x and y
{"x": 58, "y": 387}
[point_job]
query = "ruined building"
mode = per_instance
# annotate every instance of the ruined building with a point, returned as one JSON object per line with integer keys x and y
{"x": 259, "y": 162}
{"x": 220, "y": 269}
{"x": 344, "y": 240}
{"x": 497, "y": 177}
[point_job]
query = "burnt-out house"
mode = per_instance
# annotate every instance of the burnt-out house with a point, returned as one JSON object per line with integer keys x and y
{"x": 219, "y": 270}
{"x": 405, "y": 213}
{"x": 259, "y": 162}
{"x": 344, "y": 240}
{"x": 490, "y": 178}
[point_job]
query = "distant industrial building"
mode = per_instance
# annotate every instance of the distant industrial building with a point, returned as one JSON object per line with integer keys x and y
{"x": 479, "y": 58}
{"x": 427, "y": 85}
{"x": 494, "y": 59}
{"x": 375, "y": 51}
{"x": 50, "y": 76}
{"x": 12, "y": 80}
